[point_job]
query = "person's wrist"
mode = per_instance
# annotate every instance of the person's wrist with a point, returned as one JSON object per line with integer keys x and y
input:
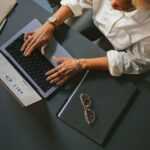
{"x": 53, "y": 20}
{"x": 50, "y": 26}
{"x": 83, "y": 63}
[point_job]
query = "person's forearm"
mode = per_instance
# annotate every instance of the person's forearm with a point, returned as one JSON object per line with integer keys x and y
{"x": 94, "y": 63}
{"x": 63, "y": 13}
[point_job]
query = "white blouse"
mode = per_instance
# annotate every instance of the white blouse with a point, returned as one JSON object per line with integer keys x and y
{"x": 128, "y": 32}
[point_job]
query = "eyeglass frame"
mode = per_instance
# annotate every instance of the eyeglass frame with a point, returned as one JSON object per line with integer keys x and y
{"x": 87, "y": 108}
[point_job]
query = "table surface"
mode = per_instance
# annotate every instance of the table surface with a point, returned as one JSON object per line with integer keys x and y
{"x": 37, "y": 126}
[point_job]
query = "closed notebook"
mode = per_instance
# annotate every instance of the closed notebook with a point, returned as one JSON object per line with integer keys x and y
{"x": 5, "y": 8}
{"x": 110, "y": 97}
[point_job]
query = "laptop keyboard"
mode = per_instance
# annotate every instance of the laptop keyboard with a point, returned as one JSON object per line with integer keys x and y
{"x": 35, "y": 65}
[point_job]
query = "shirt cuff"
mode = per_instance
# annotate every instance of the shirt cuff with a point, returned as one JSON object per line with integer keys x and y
{"x": 73, "y": 5}
{"x": 115, "y": 63}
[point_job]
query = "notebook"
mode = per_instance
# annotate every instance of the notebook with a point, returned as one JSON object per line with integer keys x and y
{"x": 3, "y": 24}
{"x": 110, "y": 97}
{"x": 5, "y": 8}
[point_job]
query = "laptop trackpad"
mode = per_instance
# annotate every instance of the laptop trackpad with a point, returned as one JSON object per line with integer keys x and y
{"x": 55, "y": 49}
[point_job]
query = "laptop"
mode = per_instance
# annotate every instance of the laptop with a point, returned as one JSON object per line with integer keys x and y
{"x": 25, "y": 76}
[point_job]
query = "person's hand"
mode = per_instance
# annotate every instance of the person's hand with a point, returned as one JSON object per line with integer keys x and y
{"x": 40, "y": 37}
{"x": 64, "y": 71}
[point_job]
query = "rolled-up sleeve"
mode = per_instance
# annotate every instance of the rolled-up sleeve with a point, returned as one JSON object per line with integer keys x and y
{"x": 134, "y": 60}
{"x": 77, "y": 6}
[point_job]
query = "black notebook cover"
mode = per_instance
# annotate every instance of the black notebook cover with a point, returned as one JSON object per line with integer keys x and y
{"x": 110, "y": 96}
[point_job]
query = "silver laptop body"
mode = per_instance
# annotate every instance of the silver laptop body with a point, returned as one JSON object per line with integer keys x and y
{"x": 9, "y": 72}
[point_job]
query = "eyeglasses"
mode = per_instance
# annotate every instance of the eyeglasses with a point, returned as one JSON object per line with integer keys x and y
{"x": 89, "y": 114}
